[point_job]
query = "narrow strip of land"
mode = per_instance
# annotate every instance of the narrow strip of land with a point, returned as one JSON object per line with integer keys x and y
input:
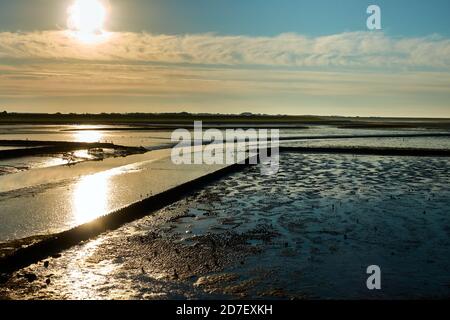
{"x": 35, "y": 148}
{"x": 413, "y": 152}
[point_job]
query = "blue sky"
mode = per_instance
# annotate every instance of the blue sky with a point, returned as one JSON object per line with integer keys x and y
{"x": 249, "y": 17}
{"x": 271, "y": 17}
{"x": 272, "y": 56}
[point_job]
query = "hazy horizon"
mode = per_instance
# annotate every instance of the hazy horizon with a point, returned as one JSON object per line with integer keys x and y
{"x": 242, "y": 114}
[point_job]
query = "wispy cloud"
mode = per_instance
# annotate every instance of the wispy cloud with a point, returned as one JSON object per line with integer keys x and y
{"x": 355, "y": 49}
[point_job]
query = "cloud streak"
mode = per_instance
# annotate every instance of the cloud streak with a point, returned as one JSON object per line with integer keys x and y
{"x": 349, "y": 50}
{"x": 80, "y": 78}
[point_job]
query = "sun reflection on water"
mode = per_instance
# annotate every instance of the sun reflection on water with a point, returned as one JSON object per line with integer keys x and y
{"x": 91, "y": 197}
{"x": 88, "y": 136}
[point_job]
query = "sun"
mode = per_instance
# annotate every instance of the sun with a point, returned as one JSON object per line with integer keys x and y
{"x": 87, "y": 18}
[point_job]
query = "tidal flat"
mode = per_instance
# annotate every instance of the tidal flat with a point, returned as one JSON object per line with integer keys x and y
{"x": 342, "y": 200}
{"x": 308, "y": 232}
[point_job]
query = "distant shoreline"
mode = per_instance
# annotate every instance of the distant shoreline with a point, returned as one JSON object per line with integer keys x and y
{"x": 158, "y": 121}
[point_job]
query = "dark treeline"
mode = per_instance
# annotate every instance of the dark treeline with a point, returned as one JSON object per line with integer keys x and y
{"x": 182, "y": 117}
{"x": 244, "y": 118}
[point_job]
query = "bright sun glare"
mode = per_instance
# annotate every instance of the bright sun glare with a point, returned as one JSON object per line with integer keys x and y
{"x": 86, "y": 18}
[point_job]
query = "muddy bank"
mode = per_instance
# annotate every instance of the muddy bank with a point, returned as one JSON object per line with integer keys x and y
{"x": 406, "y": 152}
{"x": 37, "y": 148}
{"x": 156, "y": 262}
{"x": 430, "y": 124}
{"x": 9, "y": 248}
{"x": 365, "y": 136}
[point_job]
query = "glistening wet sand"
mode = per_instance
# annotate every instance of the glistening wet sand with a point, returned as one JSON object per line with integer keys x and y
{"x": 51, "y": 200}
{"x": 308, "y": 232}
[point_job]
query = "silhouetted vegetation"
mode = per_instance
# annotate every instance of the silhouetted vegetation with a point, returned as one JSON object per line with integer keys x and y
{"x": 149, "y": 120}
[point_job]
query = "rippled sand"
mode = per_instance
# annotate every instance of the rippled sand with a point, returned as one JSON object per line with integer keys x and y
{"x": 308, "y": 232}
